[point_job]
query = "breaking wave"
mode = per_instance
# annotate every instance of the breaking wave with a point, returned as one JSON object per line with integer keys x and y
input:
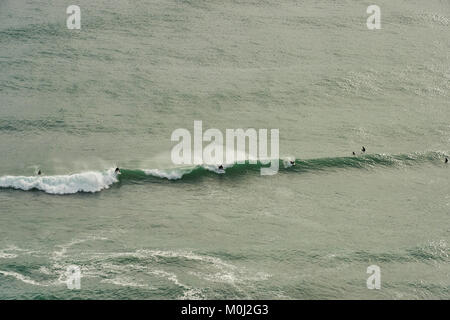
{"x": 91, "y": 181}
{"x": 95, "y": 181}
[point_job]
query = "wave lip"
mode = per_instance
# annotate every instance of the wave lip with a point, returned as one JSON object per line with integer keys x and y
{"x": 91, "y": 181}
{"x": 173, "y": 174}
{"x": 95, "y": 181}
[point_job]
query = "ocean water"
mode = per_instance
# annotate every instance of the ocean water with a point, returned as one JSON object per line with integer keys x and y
{"x": 77, "y": 103}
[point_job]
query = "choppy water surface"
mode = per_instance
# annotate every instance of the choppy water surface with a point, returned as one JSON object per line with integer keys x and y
{"x": 76, "y": 104}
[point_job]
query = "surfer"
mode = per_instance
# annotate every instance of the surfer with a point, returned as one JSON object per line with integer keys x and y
{"x": 221, "y": 167}
{"x": 363, "y": 149}
{"x": 292, "y": 162}
{"x": 39, "y": 172}
{"x": 117, "y": 171}
{"x": 353, "y": 153}
{"x": 446, "y": 160}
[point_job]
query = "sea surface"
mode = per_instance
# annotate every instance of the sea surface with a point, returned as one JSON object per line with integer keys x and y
{"x": 75, "y": 104}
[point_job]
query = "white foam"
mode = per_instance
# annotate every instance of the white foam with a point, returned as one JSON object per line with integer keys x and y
{"x": 170, "y": 174}
{"x": 21, "y": 277}
{"x": 124, "y": 282}
{"x": 65, "y": 247}
{"x": 92, "y": 181}
{"x": 216, "y": 169}
{"x": 287, "y": 162}
{"x": 136, "y": 272}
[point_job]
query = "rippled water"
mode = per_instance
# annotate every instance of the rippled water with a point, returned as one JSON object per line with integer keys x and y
{"x": 77, "y": 103}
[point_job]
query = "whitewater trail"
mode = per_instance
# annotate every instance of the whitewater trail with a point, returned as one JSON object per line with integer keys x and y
{"x": 91, "y": 181}
{"x": 96, "y": 181}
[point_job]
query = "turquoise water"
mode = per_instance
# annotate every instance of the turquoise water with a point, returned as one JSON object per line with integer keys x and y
{"x": 77, "y": 103}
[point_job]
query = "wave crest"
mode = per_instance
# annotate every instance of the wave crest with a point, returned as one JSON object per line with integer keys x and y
{"x": 95, "y": 181}
{"x": 91, "y": 181}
